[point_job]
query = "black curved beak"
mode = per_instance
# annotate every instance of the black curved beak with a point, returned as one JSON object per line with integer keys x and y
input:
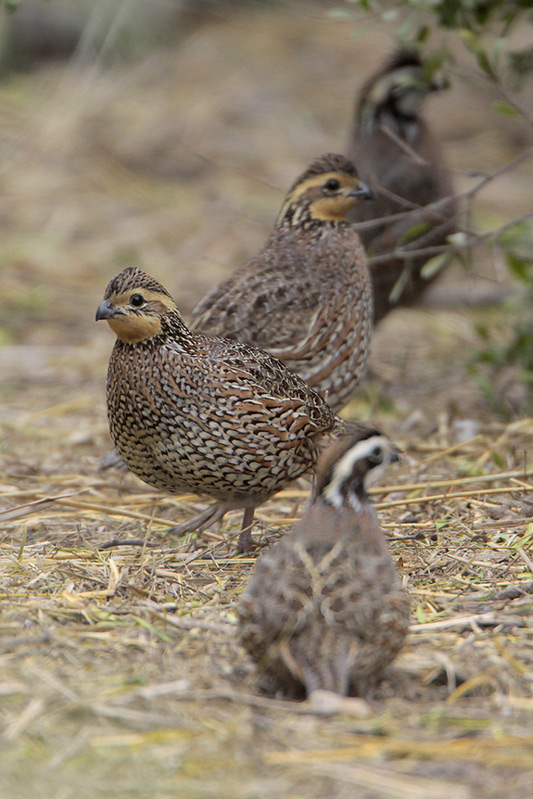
{"x": 362, "y": 191}
{"x": 106, "y": 310}
{"x": 395, "y": 454}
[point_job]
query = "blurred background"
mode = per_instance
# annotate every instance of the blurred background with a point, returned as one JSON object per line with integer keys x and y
{"x": 165, "y": 135}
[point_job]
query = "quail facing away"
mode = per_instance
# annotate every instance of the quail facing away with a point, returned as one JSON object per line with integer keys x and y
{"x": 324, "y": 608}
{"x": 306, "y": 296}
{"x": 189, "y": 412}
{"x": 402, "y": 162}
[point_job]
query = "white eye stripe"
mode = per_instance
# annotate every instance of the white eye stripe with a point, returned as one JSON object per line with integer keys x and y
{"x": 344, "y": 466}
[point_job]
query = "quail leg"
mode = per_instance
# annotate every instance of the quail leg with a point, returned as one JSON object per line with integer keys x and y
{"x": 112, "y": 460}
{"x": 245, "y": 542}
{"x": 202, "y": 520}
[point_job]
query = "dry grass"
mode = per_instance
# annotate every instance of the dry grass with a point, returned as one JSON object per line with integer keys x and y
{"x": 120, "y": 670}
{"x": 129, "y": 654}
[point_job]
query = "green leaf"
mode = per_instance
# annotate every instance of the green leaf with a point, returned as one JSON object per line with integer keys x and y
{"x": 498, "y": 460}
{"x": 414, "y": 232}
{"x": 150, "y": 627}
{"x": 505, "y": 108}
{"x": 499, "y": 48}
{"x": 399, "y": 286}
{"x": 519, "y": 267}
{"x": 340, "y": 14}
{"x": 433, "y": 64}
{"x": 434, "y": 265}
{"x": 519, "y": 235}
{"x": 470, "y": 39}
{"x": 422, "y": 34}
{"x": 474, "y": 45}
{"x": 484, "y": 62}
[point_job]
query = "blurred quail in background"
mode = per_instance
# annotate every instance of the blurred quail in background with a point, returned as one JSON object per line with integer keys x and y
{"x": 324, "y": 609}
{"x": 402, "y": 162}
{"x": 189, "y": 412}
{"x": 306, "y": 296}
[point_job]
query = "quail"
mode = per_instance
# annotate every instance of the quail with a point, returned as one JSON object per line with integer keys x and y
{"x": 306, "y": 296}
{"x": 401, "y": 160}
{"x": 324, "y": 609}
{"x": 189, "y": 412}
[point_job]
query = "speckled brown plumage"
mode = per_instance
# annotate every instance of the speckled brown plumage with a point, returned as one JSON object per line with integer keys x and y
{"x": 189, "y": 412}
{"x": 401, "y": 160}
{"x": 325, "y": 608}
{"x": 306, "y": 296}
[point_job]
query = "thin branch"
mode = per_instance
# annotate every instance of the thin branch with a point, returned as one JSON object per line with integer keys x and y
{"x": 439, "y": 204}
{"x": 474, "y": 238}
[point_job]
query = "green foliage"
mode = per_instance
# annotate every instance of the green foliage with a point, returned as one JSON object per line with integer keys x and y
{"x": 472, "y": 19}
{"x": 414, "y": 232}
{"x": 435, "y": 264}
{"x": 506, "y": 109}
{"x": 483, "y": 26}
{"x": 521, "y": 65}
{"x": 11, "y": 5}
{"x": 476, "y": 16}
{"x": 508, "y": 344}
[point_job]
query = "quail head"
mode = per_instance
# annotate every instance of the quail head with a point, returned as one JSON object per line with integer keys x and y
{"x": 400, "y": 158}
{"x": 306, "y": 296}
{"x": 189, "y": 412}
{"x": 324, "y": 609}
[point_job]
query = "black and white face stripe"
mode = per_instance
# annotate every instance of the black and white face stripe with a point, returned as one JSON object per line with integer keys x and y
{"x": 376, "y": 450}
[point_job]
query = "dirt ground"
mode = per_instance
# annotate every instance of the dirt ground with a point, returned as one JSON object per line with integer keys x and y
{"x": 120, "y": 669}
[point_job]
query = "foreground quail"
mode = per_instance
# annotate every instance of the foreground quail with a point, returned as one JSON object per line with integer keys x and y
{"x": 402, "y": 162}
{"x": 189, "y": 412}
{"x": 324, "y": 608}
{"x": 306, "y": 296}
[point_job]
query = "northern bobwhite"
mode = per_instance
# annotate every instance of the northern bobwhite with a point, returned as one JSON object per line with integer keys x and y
{"x": 325, "y": 608}
{"x": 402, "y": 162}
{"x": 306, "y": 296}
{"x": 189, "y": 412}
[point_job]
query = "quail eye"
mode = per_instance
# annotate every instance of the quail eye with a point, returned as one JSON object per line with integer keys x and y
{"x": 376, "y": 456}
{"x": 332, "y": 184}
{"x": 136, "y": 300}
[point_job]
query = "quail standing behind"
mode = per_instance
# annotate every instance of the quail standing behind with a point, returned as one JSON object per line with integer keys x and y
{"x": 306, "y": 296}
{"x": 325, "y": 608}
{"x": 400, "y": 158}
{"x": 189, "y": 412}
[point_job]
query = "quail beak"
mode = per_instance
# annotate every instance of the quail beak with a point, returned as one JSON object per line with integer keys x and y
{"x": 362, "y": 191}
{"x": 106, "y": 310}
{"x": 395, "y": 455}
